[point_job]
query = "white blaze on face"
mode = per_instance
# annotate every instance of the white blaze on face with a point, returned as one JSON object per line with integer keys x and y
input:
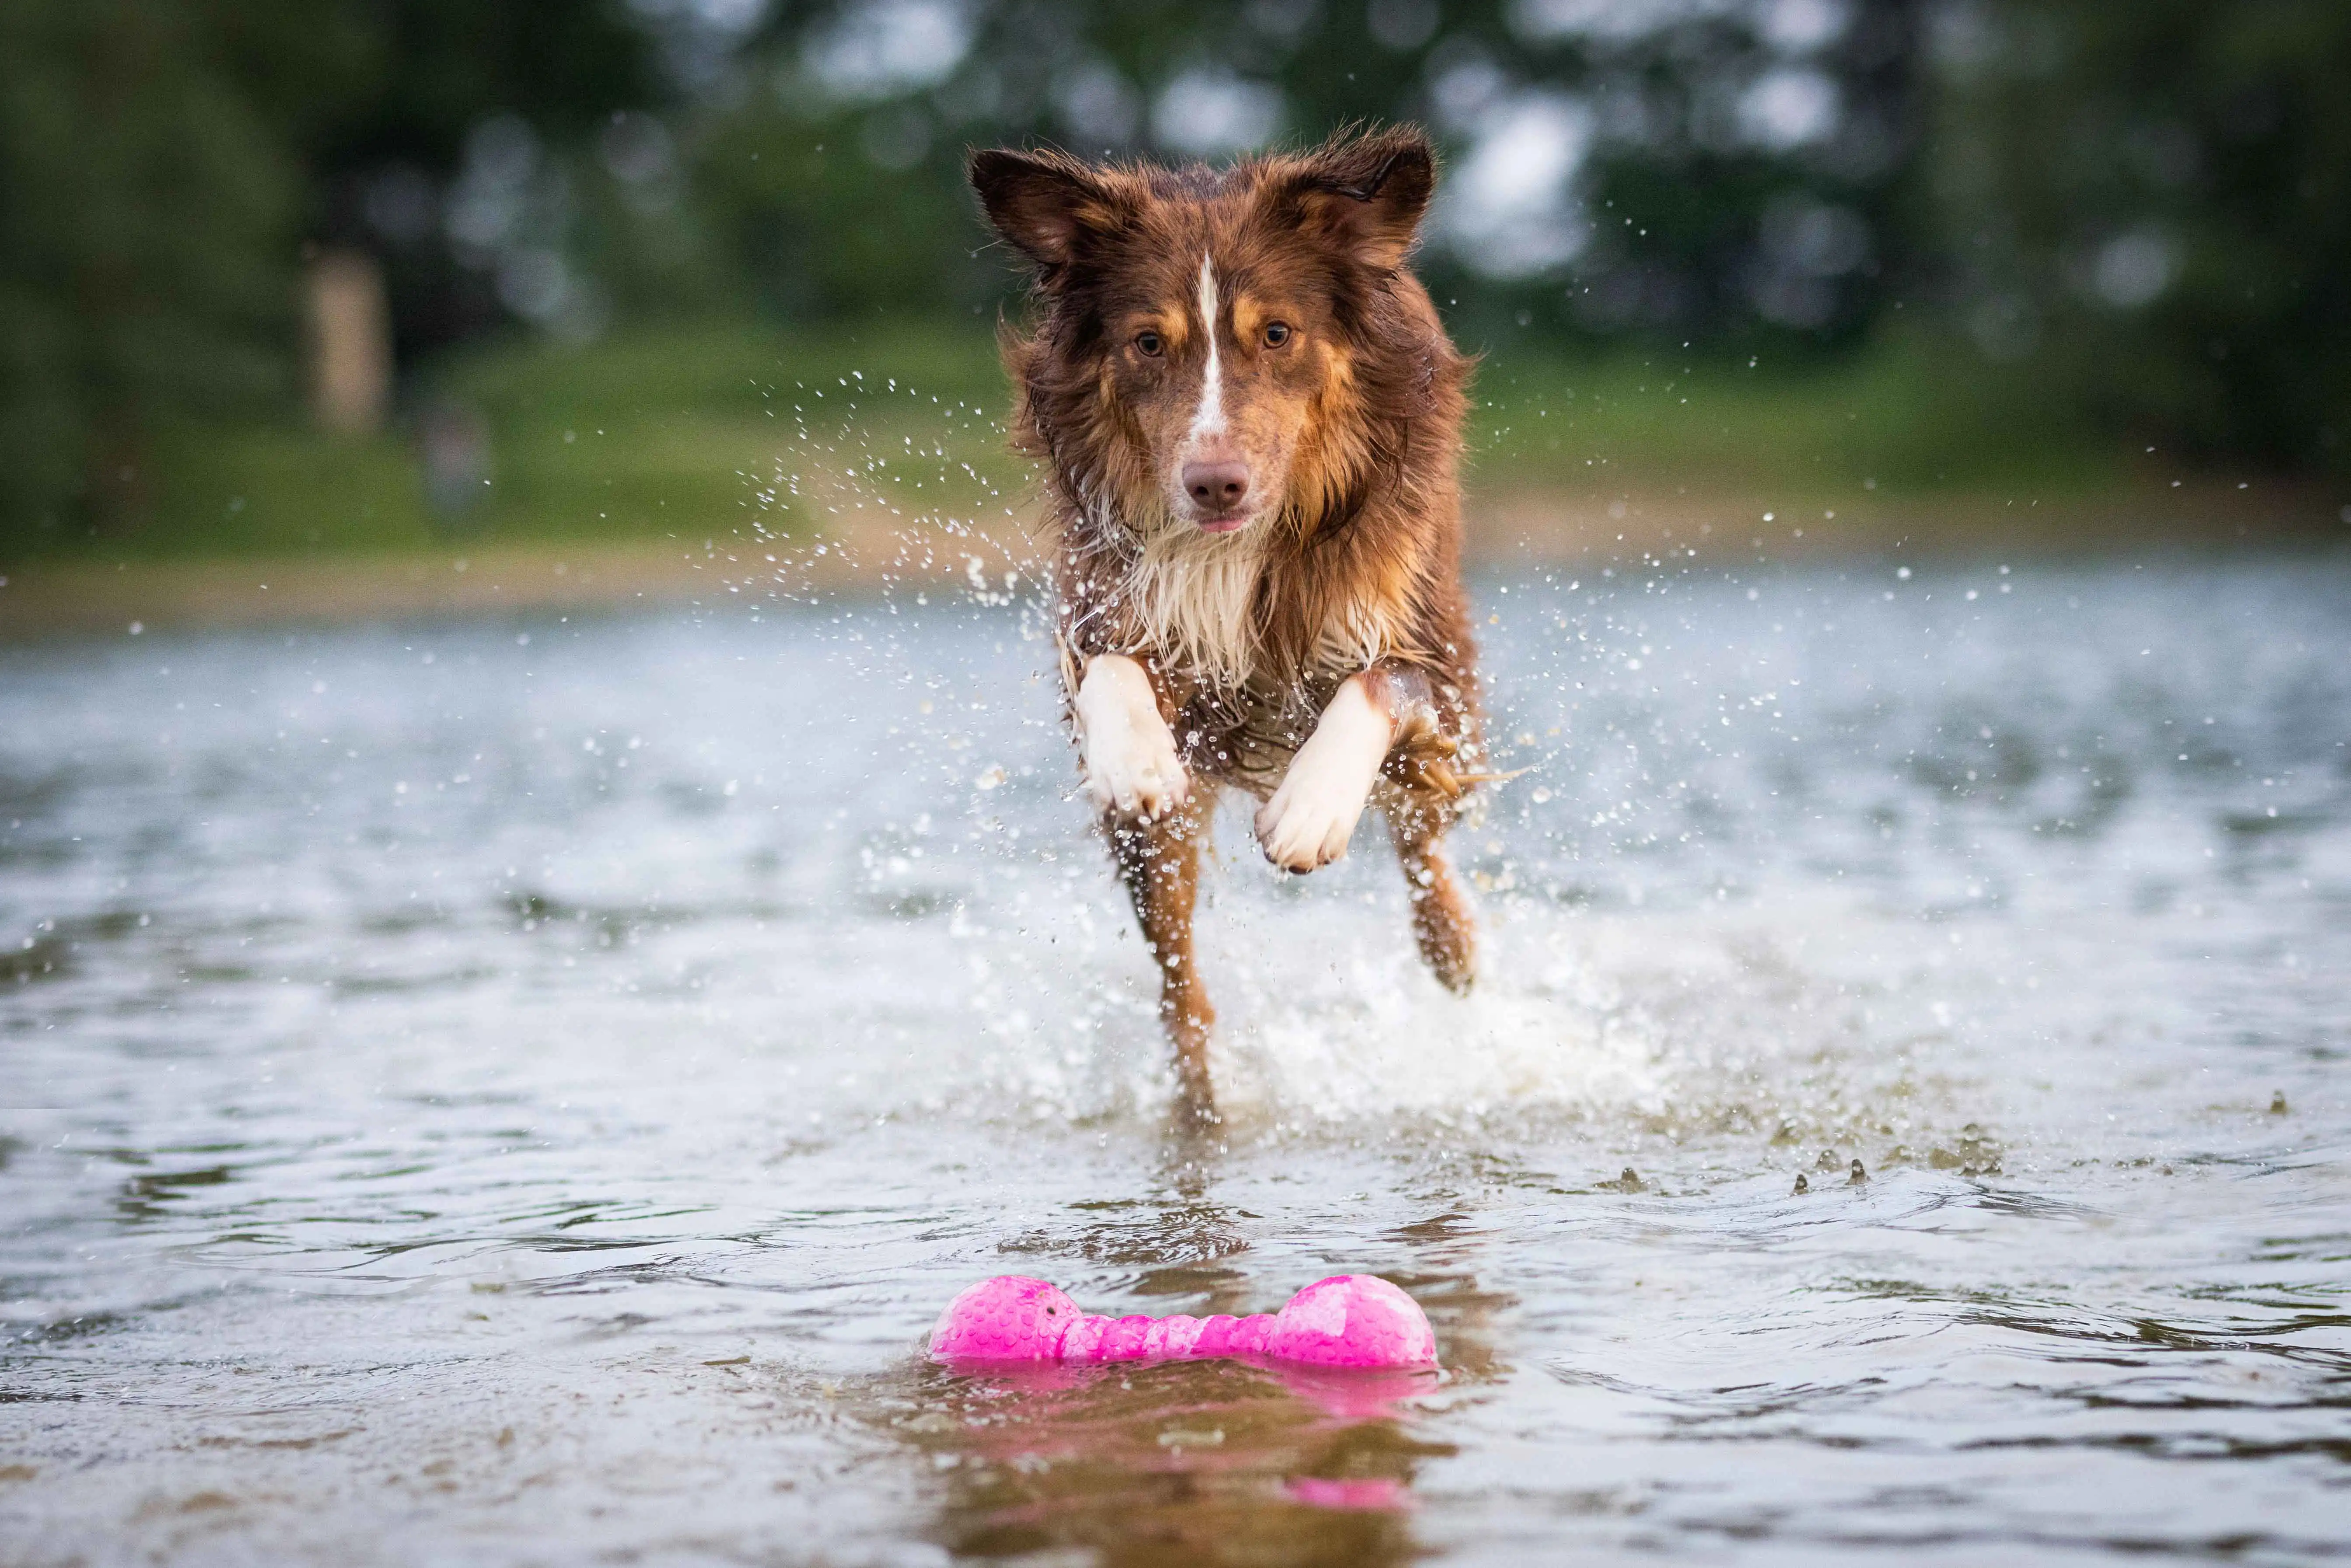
{"x": 1194, "y": 590}
{"x": 1209, "y": 420}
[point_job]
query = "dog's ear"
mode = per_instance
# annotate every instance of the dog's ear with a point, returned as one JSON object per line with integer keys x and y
{"x": 1052, "y": 207}
{"x": 1364, "y": 193}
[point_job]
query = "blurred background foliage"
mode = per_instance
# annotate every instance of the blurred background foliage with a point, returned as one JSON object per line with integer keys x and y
{"x": 1927, "y": 241}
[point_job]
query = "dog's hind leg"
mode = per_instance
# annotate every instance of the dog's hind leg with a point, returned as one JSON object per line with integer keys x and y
{"x": 1159, "y": 861}
{"x": 1440, "y": 914}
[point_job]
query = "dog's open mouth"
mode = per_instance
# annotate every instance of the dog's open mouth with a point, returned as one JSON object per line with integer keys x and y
{"x": 1224, "y": 522}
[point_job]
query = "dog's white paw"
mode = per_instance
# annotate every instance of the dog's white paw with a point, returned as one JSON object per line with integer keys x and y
{"x": 1132, "y": 767}
{"x": 1310, "y": 819}
{"x": 1134, "y": 773}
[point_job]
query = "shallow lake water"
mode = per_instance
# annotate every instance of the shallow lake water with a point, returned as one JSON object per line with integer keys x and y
{"x": 519, "y": 1093}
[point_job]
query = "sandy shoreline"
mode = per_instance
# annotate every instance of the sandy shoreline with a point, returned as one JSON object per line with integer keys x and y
{"x": 864, "y": 553}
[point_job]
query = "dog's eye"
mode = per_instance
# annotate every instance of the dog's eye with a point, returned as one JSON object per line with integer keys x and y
{"x": 1149, "y": 344}
{"x": 1276, "y": 334}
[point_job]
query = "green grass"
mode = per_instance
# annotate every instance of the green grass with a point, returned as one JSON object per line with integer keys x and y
{"x": 1903, "y": 418}
{"x": 683, "y": 432}
{"x": 720, "y": 429}
{"x": 686, "y": 431}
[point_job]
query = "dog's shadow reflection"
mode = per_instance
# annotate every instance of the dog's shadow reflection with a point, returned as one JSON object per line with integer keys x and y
{"x": 1175, "y": 1462}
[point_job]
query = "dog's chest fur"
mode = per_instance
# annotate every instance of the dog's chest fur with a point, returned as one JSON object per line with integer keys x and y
{"x": 1193, "y": 599}
{"x": 1247, "y": 700}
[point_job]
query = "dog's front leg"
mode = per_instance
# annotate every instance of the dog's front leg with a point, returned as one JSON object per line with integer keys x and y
{"x": 1129, "y": 754}
{"x": 1310, "y": 818}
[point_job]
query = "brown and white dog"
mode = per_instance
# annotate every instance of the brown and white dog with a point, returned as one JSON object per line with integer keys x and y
{"x": 1249, "y": 417}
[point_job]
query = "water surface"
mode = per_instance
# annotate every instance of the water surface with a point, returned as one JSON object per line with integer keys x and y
{"x": 519, "y": 1092}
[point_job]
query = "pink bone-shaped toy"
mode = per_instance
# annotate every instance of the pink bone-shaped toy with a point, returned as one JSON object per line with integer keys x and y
{"x": 1346, "y": 1321}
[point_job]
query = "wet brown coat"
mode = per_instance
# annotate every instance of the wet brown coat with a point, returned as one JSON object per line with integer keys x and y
{"x": 1368, "y": 534}
{"x": 1348, "y": 413}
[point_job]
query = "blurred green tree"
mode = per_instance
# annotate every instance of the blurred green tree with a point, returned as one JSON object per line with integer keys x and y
{"x": 462, "y": 152}
{"x": 2154, "y": 202}
{"x": 162, "y": 164}
{"x": 146, "y": 244}
{"x": 2144, "y": 209}
{"x": 1691, "y": 172}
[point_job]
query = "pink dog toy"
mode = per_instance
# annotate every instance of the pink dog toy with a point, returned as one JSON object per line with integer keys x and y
{"x": 1348, "y": 1320}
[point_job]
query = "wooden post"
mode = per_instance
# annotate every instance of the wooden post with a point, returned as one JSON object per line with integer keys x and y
{"x": 350, "y": 342}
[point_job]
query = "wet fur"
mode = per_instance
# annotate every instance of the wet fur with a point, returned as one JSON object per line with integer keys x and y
{"x": 1350, "y": 568}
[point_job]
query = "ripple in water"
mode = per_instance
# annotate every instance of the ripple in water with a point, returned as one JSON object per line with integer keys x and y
{"x": 491, "y": 1091}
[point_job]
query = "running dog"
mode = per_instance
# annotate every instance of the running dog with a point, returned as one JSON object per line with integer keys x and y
{"x": 1249, "y": 420}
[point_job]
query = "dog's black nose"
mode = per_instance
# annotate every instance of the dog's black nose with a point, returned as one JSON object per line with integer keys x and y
{"x": 1216, "y": 486}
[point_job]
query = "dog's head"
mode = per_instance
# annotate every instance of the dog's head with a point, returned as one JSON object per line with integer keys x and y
{"x": 1210, "y": 341}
